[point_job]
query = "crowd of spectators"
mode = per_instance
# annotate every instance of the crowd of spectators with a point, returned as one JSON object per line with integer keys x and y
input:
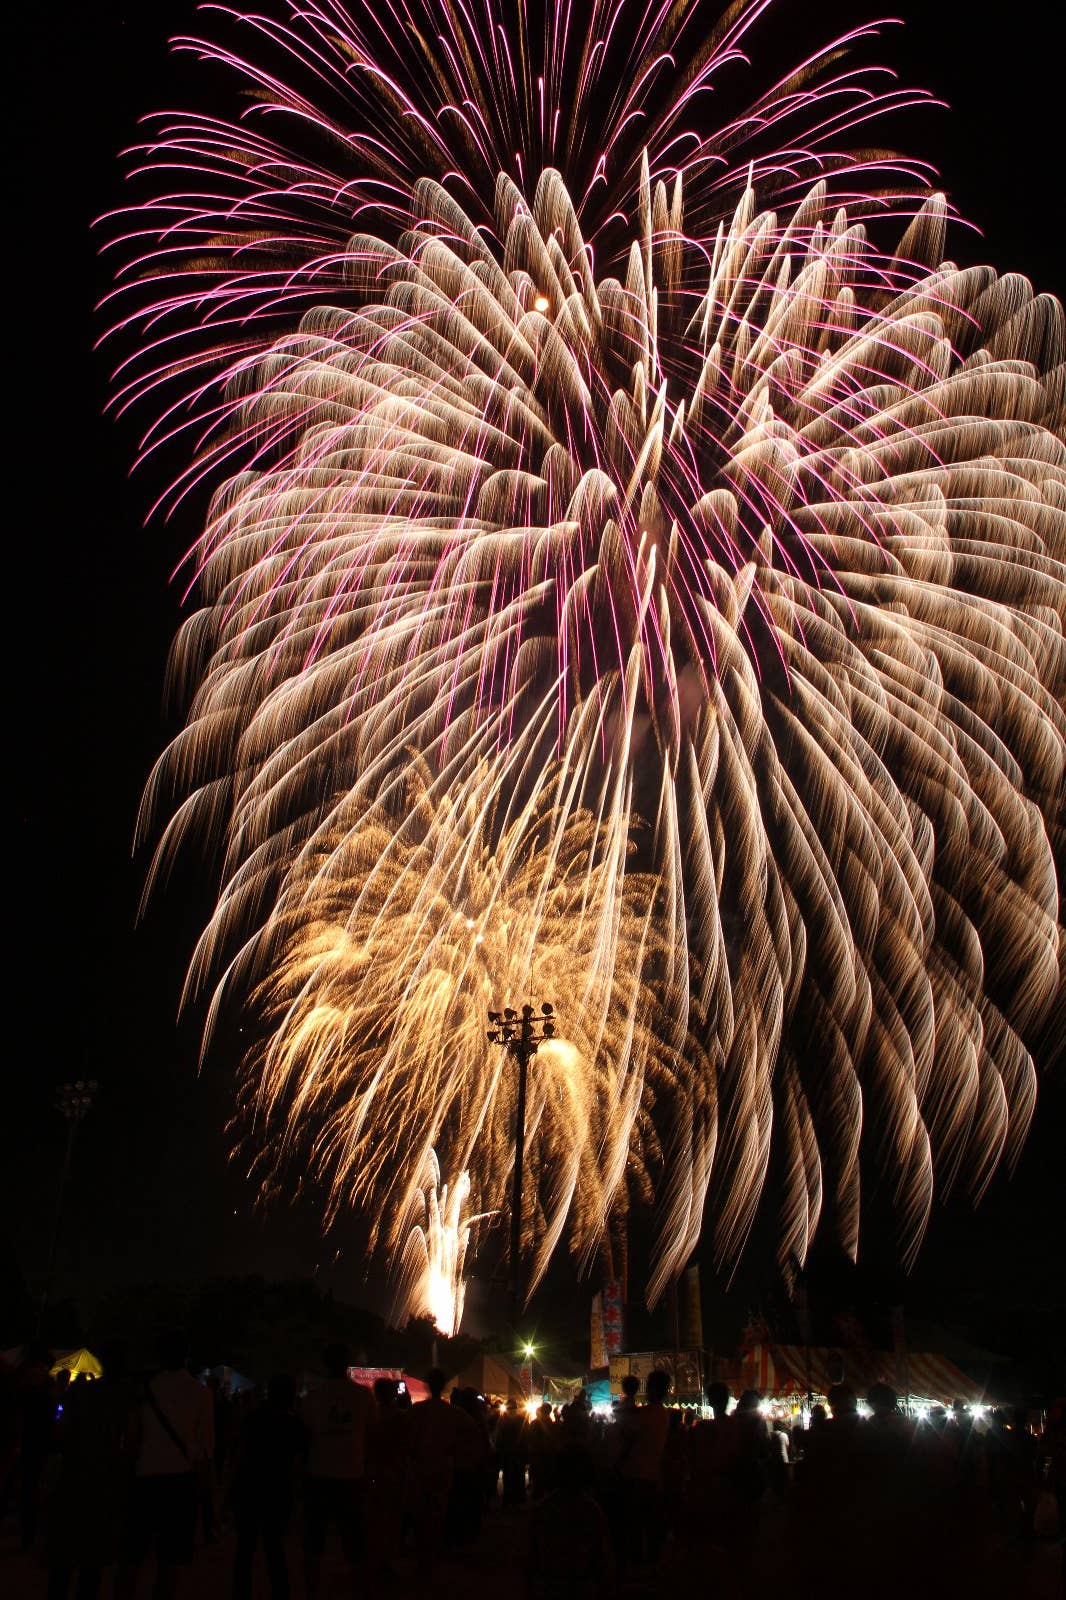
{"x": 110, "y": 1478}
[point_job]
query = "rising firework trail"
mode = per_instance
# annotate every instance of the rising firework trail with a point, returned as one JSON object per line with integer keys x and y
{"x": 636, "y": 567}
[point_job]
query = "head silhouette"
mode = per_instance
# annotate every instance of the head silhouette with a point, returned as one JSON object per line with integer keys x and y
{"x": 843, "y": 1401}
{"x": 658, "y": 1387}
{"x": 718, "y": 1399}
{"x": 882, "y": 1399}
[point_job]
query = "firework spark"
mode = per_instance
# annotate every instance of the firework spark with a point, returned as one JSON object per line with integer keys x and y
{"x": 431, "y": 1279}
{"x": 677, "y": 625}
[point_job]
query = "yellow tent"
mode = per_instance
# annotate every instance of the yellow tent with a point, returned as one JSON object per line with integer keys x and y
{"x": 77, "y": 1362}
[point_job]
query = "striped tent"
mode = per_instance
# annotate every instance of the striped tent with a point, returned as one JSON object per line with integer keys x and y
{"x": 781, "y": 1370}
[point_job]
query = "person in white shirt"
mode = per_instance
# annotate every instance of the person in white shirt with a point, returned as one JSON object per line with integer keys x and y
{"x": 173, "y": 1445}
{"x": 339, "y": 1415}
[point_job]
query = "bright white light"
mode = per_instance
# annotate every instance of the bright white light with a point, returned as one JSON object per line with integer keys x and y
{"x": 434, "y": 1255}
{"x": 921, "y": 1412}
{"x": 863, "y": 1409}
{"x": 532, "y": 1407}
{"x": 765, "y": 1408}
{"x": 541, "y": 303}
{"x": 977, "y": 1411}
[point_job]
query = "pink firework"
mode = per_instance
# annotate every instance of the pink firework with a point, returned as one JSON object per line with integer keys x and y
{"x": 624, "y": 575}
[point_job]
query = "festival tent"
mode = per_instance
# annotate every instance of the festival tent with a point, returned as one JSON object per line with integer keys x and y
{"x": 562, "y": 1383}
{"x": 75, "y": 1362}
{"x": 489, "y": 1375}
{"x": 559, "y": 1388}
{"x": 78, "y": 1363}
{"x": 783, "y": 1370}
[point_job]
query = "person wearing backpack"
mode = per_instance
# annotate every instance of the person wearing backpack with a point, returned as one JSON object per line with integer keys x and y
{"x": 172, "y": 1447}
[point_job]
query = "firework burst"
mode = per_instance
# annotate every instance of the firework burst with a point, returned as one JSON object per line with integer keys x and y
{"x": 430, "y": 1276}
{"x": 682, "y": 632}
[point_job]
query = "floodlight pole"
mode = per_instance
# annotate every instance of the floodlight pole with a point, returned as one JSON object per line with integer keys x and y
{"x": 522, "y": 1049}
{"x": 72, "y": 1101}
{"x": 521, "y": 1038}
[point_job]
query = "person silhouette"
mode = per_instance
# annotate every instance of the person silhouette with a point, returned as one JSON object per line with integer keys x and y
{"x": 339, "y": 1415}
{"x": 440, "y": 1437}
{"x": 37, "y": 1404}
{"x": 173, "y": 1442}
{"x": 271, "y": 1444}
{"x": 86, "y": 1509}
{"x": 569, "y": 1555}
{"x": 386, "y": 1476}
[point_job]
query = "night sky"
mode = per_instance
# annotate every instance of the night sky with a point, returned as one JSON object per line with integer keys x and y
{"x": 153, "y": 1194}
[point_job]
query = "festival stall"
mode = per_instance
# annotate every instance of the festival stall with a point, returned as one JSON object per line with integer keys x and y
{"x": 684, "y": 1367}
{"x": 368, "y": 1376}
{"x": 784, "y": 1374}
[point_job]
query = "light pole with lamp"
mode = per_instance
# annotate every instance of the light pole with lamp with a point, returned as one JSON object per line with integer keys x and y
{"x": 73, "y": 1101}
{"x": 519, "y": 1035}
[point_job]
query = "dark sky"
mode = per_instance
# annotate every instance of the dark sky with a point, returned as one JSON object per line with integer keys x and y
{"x": 152, "y": 1192}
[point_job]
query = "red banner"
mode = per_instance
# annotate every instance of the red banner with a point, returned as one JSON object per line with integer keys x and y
{"x": 597, "y": 1348}
{"x": 613, "y": 1318}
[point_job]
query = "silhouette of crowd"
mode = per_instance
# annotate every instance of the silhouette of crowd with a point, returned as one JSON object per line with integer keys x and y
{"x": 112, "y": 1480}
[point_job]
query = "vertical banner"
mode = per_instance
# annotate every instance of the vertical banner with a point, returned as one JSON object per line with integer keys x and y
{"x": 619, "y": 1257}
{"x": 613, "y": 1321}
{"x": 693, "y": 1330}
{"x": 597, "y": 1345}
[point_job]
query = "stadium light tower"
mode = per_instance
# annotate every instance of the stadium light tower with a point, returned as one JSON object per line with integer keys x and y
{"x": 73, "y": 1101}
{"x": 519, "y": 1035}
